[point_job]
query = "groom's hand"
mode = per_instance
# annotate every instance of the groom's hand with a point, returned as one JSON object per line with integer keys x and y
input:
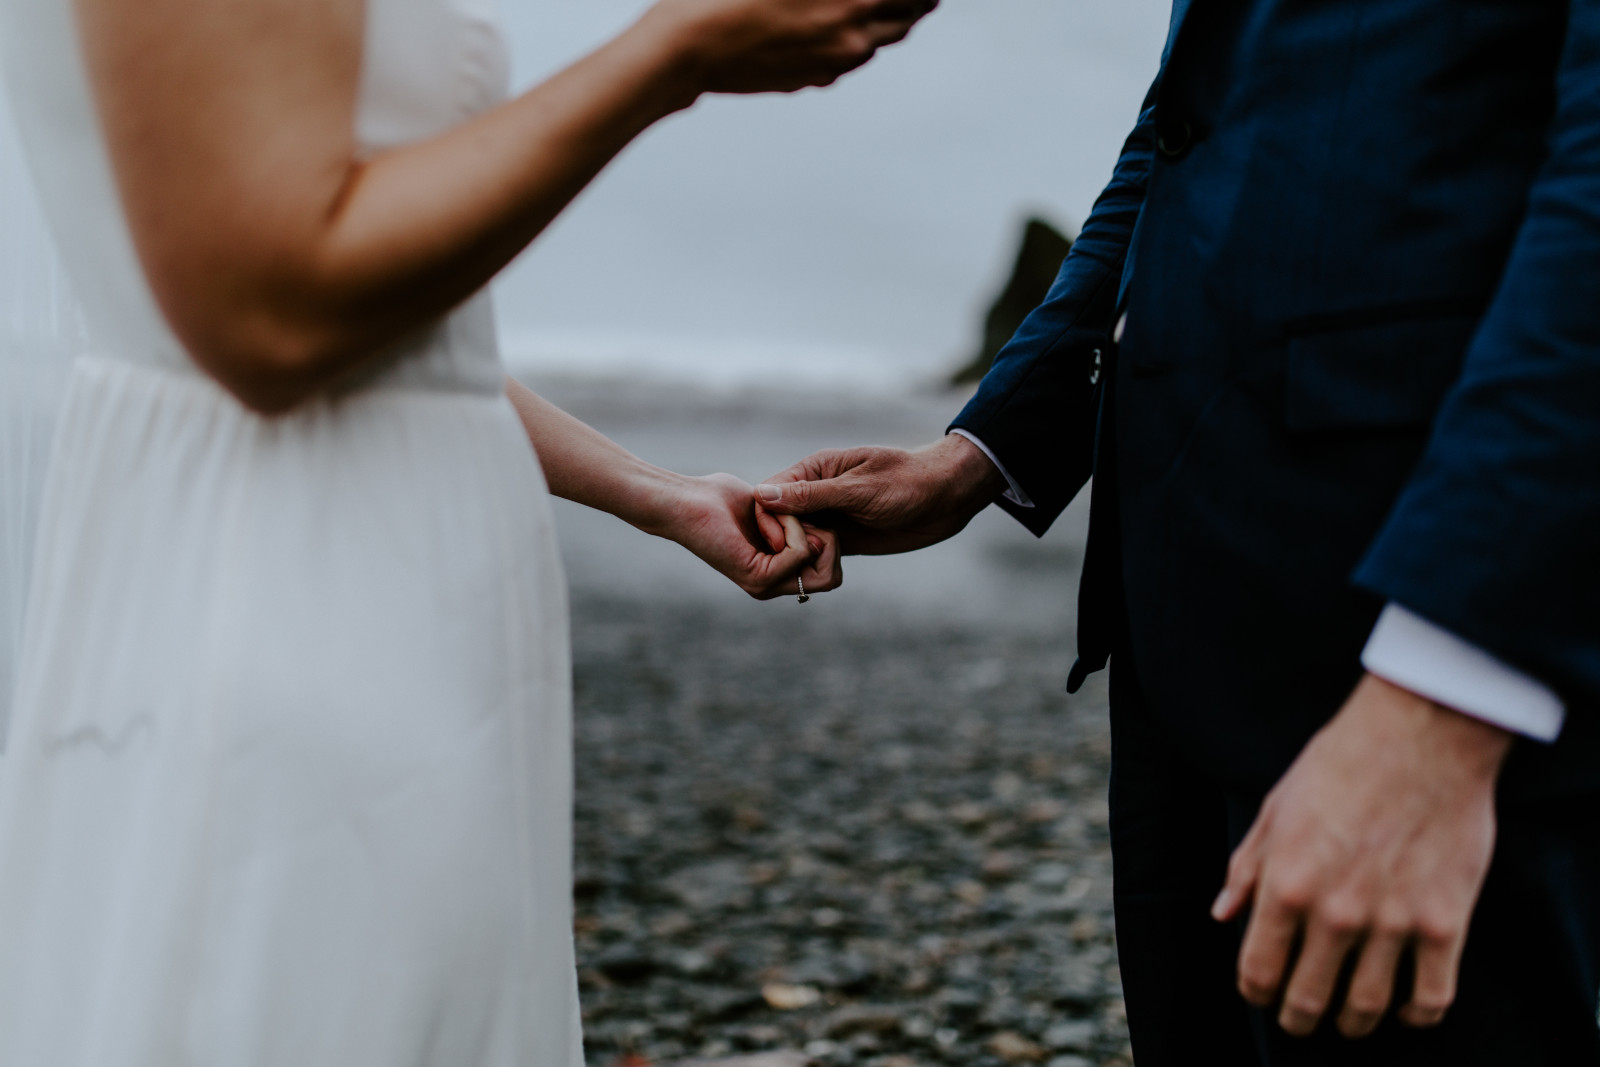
{"x": 885, "y": 500}
{"x": 1374, "y": 845}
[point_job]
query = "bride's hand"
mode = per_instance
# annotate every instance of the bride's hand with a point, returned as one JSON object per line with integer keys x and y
{"x": 765, "y": 555}
{"x": 759, "y": 46}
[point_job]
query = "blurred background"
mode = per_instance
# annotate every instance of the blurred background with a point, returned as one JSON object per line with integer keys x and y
{"x": 870, "y": 831}
{"x": 845, "y": 238}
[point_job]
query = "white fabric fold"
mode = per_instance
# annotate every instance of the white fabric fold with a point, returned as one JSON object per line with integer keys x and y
{"x": 1014, "y": 493}
{"x": 40, "y": 331}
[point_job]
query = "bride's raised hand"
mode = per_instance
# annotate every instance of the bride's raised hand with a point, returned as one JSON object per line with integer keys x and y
{"x": 759, "y": 46}
{"x": 767, "y": 556}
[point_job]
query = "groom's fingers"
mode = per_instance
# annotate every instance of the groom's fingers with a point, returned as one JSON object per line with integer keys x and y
{"x": 804, "y": 498}
{"x": 1270, "y": 935}
{"x": 1438, "y": 960}
{"x": 1244, "y": 868}
{"x": 1268, "y": 941}
{"x": 829, "y": 463}
{"x": 1372, "y": 984}
{"x": 1310, "y": 989}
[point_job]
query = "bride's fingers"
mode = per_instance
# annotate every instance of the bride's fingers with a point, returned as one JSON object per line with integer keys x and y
{"x": 823, "y": 576}
{"x": 882, "y": 34}
{"x": 780, "y": 574}
{"x": 794, "y": 535}
{"x": 898, "y": 10}
{"x": 771, "y": 529}
{"x": 891, "y": 21}
{"x": 825, "y": 572}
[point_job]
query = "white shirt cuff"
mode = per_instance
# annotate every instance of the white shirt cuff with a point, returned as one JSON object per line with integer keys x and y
{"x": 1013, "y": 494}
{"x": 1413, "y": 653}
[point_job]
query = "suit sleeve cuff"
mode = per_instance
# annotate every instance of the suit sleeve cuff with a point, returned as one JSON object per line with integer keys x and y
{"x": 1014, "y": 493}
{"x": 1413, "y": 653}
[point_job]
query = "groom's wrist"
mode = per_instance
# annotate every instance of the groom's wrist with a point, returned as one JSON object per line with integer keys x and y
{"x": 1456, "y": 743}
{"x": 967, "y": 476}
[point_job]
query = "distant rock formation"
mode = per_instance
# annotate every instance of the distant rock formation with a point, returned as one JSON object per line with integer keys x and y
{"x": 1038, "y": 261}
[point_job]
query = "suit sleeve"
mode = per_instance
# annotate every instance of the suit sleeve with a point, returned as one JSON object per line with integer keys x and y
{"x": 1035, "y": 410}
{"x": 1496, "y": 537}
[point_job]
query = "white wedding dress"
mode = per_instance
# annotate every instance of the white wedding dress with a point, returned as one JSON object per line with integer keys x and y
{"x": 288, "y": 776}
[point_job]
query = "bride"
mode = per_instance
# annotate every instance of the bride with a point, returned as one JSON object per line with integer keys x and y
{"x": 288, "y": 779}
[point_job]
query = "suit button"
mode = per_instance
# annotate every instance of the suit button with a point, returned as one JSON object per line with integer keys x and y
{"x": 1174, "y": 138}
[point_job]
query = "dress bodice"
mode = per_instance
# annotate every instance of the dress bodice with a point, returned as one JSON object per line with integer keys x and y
{"x": 428, "y": 65}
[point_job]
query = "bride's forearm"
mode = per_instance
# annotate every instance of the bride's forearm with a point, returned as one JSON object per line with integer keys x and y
{"x": 712, "y": 516}
{"x": 419, "y": 229}
{"x": 583, "y": 465}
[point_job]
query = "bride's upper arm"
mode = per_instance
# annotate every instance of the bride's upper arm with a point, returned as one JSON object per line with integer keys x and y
{"x": 230, "y": 125}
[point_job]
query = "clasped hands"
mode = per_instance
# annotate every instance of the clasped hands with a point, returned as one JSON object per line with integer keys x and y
{"x": 1374, "y": 845}
{"x": 861, "y": 501}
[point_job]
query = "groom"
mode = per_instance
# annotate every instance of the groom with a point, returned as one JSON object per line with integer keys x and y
{"x": 1330, "y": 345}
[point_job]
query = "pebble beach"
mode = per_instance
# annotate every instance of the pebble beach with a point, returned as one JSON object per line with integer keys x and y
{"x": 870, "y": 830}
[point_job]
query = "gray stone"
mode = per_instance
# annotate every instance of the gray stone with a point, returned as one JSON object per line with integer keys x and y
{"x": 863, "y": 1018}
{"x": 863, "y": 879}
{"x": 625, "y": 963}
{"x": 759, "y": 1059}
{"x": 1075, "y": 1035}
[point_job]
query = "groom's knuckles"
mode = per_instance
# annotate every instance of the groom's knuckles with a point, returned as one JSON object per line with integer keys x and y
{"x": 1342, "y": 913}
{"x": 1292, "y": 881}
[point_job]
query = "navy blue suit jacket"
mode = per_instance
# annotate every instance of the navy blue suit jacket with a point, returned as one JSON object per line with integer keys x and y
{"x": 1358, "y": 243}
